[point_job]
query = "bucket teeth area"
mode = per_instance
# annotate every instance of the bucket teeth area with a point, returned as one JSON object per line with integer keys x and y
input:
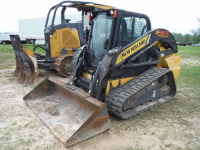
{"x": 22, "y": 74}
{"x": 16, "y": 72}
{"x": 20, "y": 77}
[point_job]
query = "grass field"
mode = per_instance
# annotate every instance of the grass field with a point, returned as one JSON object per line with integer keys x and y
{"x": 7, "y": 53}
{"x": 174, "y": 125}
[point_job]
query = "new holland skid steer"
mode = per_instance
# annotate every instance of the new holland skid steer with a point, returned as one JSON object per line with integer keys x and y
{"x": 61, "y": 42}
{"x": 126, "y": 69}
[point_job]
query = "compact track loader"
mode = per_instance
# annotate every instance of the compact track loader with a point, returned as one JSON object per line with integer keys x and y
{"x": 126, "y": 69}
{"x": 61, "y": 42}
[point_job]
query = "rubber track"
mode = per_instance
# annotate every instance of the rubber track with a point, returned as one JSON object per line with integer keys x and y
{"x": 118, "y": 96}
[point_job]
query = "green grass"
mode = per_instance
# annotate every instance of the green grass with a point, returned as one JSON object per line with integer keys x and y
{"x": 189, "y": 51}
{"x": 6, "y": 49}
{"x": 190, "y": 75}
{"x": 7, "y": 52}
{"x": 9, "y": 49}
{"x": 5, "y": 57}
{"x": 38, "y": 50}
{"x": 5, "y": 66}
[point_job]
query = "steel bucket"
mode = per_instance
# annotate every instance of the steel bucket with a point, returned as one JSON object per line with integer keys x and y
{"x": 70, "y": 114}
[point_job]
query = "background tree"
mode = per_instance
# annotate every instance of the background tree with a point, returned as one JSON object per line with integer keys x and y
{"x": 177, "y": 36}
{"x": 192, "y": 38}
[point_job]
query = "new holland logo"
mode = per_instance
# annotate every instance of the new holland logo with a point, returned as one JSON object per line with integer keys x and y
{"x": 132, "y": 49}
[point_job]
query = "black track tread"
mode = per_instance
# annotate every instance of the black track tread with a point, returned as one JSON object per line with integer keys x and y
{"x": 116, "y": 98}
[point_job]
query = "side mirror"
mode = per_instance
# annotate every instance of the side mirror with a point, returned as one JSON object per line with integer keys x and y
{"x": 106, "y": 44}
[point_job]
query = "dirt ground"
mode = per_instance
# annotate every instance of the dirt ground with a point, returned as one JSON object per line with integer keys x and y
{"x": 174, "y": 125}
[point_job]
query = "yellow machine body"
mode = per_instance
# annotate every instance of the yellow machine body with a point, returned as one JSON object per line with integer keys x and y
{"x": 64, "y": 38}
{"x": 172, "y": 62}
{"x": 114, "y": 83}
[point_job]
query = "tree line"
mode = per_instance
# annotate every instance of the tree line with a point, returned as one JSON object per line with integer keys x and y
{"x": 193, "y": 38}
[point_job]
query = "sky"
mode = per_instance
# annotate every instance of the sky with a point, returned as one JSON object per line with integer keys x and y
{"x": 178, "y": 16}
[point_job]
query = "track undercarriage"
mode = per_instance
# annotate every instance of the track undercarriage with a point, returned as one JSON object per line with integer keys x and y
{"x": 144, "y": 92}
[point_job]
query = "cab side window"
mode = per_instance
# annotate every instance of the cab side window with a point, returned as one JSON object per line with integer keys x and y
{"x": 130, "y": 29}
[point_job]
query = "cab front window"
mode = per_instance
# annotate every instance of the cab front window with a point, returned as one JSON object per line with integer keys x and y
{"x": 100, "y": 36}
